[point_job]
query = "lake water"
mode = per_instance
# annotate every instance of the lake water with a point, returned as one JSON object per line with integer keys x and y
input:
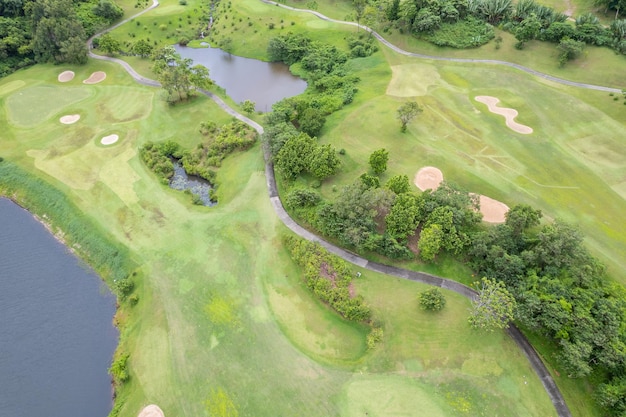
{"x": 196, "y": 185}
{"x": 265, "y": 83}
{"x": 57, "y": 336}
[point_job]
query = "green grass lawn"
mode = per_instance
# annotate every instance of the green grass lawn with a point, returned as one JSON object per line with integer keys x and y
{"x": 223, "y": 314}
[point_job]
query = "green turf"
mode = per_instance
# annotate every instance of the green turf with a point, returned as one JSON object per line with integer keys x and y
{"x": 223, "y": 313}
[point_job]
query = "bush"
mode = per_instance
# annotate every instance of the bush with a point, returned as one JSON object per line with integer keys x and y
{"x": 302, "y": 198}
{"x": 432, "y": 300}
{"x": 123, "y": 287}
{"x": 469, "y": 33}
{"x": 119, "y": 368}
{"x": 374, "y": 337}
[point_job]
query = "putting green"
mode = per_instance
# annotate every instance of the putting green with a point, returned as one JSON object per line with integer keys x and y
{"x": 31, "y": 106}
{"x": 118, "y": 104}
{"x": 392, "y": 396}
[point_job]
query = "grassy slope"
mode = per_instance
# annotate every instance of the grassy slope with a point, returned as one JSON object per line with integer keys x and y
{"x": 217, "y": 311}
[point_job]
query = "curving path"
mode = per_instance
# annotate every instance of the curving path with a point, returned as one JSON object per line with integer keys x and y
{"x": 544, "y": 375}
{"x": 448, "y": 59}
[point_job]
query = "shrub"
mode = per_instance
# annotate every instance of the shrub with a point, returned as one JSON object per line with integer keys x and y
{"x": 123, "y": 287}
{"x": 374, "y": 337}
{"x": 301, "y": 197}
{"x": 432, "y": 300}
{"x": 468, "y": 33}
{"x": 119, "y": 368}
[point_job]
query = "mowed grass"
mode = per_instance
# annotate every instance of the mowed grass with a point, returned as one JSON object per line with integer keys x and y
{"x": 223, "y": 314}
{"x": 572, "y": 166}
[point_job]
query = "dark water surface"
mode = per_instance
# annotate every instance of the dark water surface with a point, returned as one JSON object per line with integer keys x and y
{"x": 56, "y": 336}
{"x": 265, "y": 83}
{"x": 196, "y": 185}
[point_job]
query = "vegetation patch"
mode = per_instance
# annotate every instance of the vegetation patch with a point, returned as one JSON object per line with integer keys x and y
{"x": 468, "y": 33}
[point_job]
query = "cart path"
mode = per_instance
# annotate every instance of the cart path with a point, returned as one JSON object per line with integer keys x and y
{"x": 539, "y": 367}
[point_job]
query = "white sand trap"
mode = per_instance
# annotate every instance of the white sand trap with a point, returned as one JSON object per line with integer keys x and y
{"x": 151, "y": 411}
{"x": 69, "y": 119}
{"x": 509, "y": 114}
{"x": 428, "y": 178}
{"x": 493, "y": 211}
{"x": 109, "y": 140}
{"x": 66, "y": 76}
{"x": 96, "y": 77}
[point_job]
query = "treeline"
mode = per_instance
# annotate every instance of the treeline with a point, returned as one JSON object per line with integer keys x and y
{"x": 50, "y": 30}
{"x": 469, "y": 23}
{"x": 294, "y": 123}
{"x": 560, "y": 289}
{"x": 329, "y": 277}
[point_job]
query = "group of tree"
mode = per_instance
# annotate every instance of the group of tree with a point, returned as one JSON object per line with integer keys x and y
{"x": 469, "y": 23}
{"x": 178, "y": 76}
{"x": 542, "y": 276}
{"x": 218, "y": 143}
{"x": 50, "y": 30}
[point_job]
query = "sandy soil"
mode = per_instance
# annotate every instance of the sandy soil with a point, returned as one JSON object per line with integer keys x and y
{"x": 428, "y": 178}
{"x": 509, "y": 114}
{"x": 69, "y": 119}
{"x": 109, "y": 140}
{"x": 66, "y": 76}
{"x": 96, "y": 77}
{"x": 493, "y": 211}
{"x": 151, "y": 411}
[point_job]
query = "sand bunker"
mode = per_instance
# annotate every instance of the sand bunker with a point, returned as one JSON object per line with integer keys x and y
{"x": 109, "y": 140}
{"x": 151, "y": 411}
{"x": 493, "y": 211}
{"x": 66, "y": 76}
{"x": 428, "y": 178}
{"x": 96, "y": 77}
{"x": 509, "y": 114}
{"x": 69, "y": 119}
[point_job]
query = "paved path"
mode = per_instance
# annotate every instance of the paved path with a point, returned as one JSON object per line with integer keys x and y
{"x": 448, "y": 59}
{"x": 513, "y": 331}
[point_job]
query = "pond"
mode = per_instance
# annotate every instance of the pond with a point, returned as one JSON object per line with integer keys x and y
{"x": 265, "y": 83}
{"x": 57, "y": 334}
{"x": 196, "y": 185}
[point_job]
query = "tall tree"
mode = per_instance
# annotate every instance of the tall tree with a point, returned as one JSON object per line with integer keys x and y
{"x": 57, "y": 32}
{"x": 494, "y": 306}
{"x": 177, "y": 76}
{"x": 407, "y": 112}
{"x": 378, "y": 161}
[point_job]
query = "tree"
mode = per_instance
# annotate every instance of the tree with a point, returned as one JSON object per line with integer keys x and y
{"x": 108, "y": 45}
{"x": 378, "y": 161}
{"x": 311, "y": 121}
{"x": 248, "y": 107}
{"x": 293, "y": 156}
{"x": 143, "y": 48}
{"x": 521, "y": 217}
{"x": 176, "y": 74}
{"x": 407, "y": 112}
{"x": 430, "y": 242}
{"x": 370, "y": 181}
{"x": 569, "y": 49}
{"x": 359, "y": 9}
{"x": 612, "y": 396}
{"x": 58, "y": 34}
{"x": 404, "y": 216}
{"x": 399, "y": 184}
{"x": 527, "y": 30}
{"x": 432, "y": 300}
{"x": 323, "y": 162}
{"x": 493, "y": 307}
{"x": 108, "y": 10}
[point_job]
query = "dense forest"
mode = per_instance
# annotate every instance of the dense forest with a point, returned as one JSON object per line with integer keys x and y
{"x": 50, "y": 30}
